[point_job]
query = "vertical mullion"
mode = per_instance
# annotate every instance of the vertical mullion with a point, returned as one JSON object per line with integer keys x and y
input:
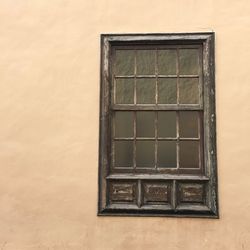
{"x": 199, "y": 125}
{"x": 112, "y": 140}
{"x": 113, "y": 100}
{"x": 156, "y": 113}
{"x": 177, "y": 112}
{"x": 200, "y": 86}
{"x": 178, "y": 75}
{"x": 156, "y": 76}
{"x": 178, "y": 139}
{"x": 113, "y": 87}
{"x": 135, "y": 73}
{"x": 156, "y": 140}
{"x": 201, "y": 102}
{"x": 200, "y": 139}
{"x": 135, "y": 101}
{"x": 134, "y": 151}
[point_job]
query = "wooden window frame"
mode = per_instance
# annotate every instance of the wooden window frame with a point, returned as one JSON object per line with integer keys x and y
{"x": 205, "y": 183}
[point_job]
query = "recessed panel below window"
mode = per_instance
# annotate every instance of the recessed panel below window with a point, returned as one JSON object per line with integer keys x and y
{"x": 122, "y": 192}
{"x": 191, "y": 193}
{"x": 156, "y": 192}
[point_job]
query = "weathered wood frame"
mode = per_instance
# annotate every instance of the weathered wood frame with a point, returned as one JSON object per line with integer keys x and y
{"x": 209, "y": 130}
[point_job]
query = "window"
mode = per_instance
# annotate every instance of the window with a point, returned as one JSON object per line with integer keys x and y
{"x": 157, "y": 152}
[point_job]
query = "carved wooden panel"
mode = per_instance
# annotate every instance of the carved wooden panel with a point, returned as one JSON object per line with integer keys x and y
{"x": 124, "y": 192}
{"x": 156, "y": 192}
{"x": 191, "y": 193}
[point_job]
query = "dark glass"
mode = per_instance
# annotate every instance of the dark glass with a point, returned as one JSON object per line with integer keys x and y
{"x": 124, "y": 62}
{"x": 124, "y": 154}
{"x": 189, "y": 61}
{"x": 145, "y": 124}
{"x": 189, "y": 154}
{"x": 145, "y": 154}
{"x": 167, "y": 154}
{"x": 167, "y": 91}
{"x": 189, "y": 90}
{"x": 189, "y": 124}
{"x": 124, "y": 91}
{"x": 145, "y": 61}
{"x": 145, "y": 91}
{"x": 124, "y": 125}
{"x": 167, "y": 124}
{"x": 167, "y": 62}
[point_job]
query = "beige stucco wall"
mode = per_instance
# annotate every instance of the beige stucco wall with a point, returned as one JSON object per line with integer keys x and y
{"x": 49, "y": 104}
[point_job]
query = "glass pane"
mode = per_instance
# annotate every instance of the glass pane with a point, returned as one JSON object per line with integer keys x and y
{"x": 167, "y": 154}
{"x": 189, "y": 61}
{"x": 145, "y": 124}
{"x": 124, "y": 124}
{"x": 189, "y": 124}
{"x": 145, "y": 154}
{"x": 167, "y": 124}
{"x": 123, "y": 154}
{"x": 125, "y": 91}
{"x": 189, "y": 90}
{"x": 124, "y": 62}
{"x": 145, "y": 91}
{"x": 167, "y": 62}
{"x": 145, "y": 61}
{"x": 167, "y": 93}
{"x": 189, "y": 154}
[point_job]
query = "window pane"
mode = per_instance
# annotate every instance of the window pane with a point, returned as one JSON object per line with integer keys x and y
{"x": 166, "y": 154}
{"x": 189, "y": 90}
{"x": 124, "y": 91}
{"x": 124, "y": 62}
{"x": 189, "y": 124}
{"x": 145, "y": 62}
{"x": 189, "y": 154}
{"x": 167, "y": 62}
{"x": 167, "y": 124}
{"x": 145, "y": 124}
{"x": 167, "y": 91}
{"x": 145, "y": 91}
{"x": 124, "y": 124}
{"x": 189, "y": 61}
{"x": 145, "y": 154}
{"x": 123, "y": 154}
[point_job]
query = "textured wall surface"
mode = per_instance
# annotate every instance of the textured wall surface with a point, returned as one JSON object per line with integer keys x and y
{"x": 49, "y": 107}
